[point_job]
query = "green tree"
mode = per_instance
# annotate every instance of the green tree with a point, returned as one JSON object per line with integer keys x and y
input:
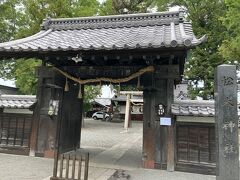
{"x": 25, "y": 72}
{"x": 22, "y": 18}
{"x": 205, "y": 17}
{"x": 114, "y": 7}
{"x": 230, "y": 48}
{"x": 9, "y": 19}
{"x": 90, "y": 92}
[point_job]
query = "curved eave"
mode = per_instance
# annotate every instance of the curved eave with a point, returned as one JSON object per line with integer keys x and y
{"x": 40, "y": 52}
{"x": 7, "y": 45}
{"x": 50, "y": 41}
{"x": 43, "y": 54}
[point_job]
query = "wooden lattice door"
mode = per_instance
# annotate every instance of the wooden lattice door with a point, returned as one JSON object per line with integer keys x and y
{"x": 15, "y": 130}
{"x": 196, "y": 146}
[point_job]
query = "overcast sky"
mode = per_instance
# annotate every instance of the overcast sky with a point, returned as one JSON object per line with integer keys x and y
{"x": 7, "y": 83}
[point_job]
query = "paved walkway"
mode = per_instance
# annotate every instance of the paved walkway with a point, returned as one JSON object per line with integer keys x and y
{"x": 13, "y": 167}
{"x": 111, "y": 148}
{"x": 111, "y": 151}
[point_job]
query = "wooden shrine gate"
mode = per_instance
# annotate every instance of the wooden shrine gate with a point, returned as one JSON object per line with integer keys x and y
{"x": 144, "y": 49}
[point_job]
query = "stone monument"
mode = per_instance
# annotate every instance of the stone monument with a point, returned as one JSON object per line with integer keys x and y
{"x": 227, "y": 157}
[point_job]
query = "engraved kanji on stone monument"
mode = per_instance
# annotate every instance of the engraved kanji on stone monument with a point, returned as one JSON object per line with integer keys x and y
{"x": 229, "y": 125}
{"x": 227, "y": 81}
{"x": 227, "y": 160}
{"x": 228, "y": 101}
{"x": 229, "y": 149}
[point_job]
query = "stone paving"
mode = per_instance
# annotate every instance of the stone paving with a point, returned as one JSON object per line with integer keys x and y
{"x": 111, "y": 150}
{"x": 117, "y": 150}
{"x": 13, "y": 167}
{"x": 110, "y": 146}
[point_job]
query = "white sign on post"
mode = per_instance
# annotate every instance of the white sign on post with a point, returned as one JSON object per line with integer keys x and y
{"x": 165, "y": 121}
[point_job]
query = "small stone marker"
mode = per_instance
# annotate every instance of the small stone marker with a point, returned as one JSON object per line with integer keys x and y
{"x": 227, "y": 157}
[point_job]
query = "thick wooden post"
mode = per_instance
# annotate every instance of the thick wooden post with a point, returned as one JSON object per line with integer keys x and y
{"x": 226, "y": 123}
{"x": 81, "y": 114}
{"x": 35, "y": 122}
{"x": 158, "y": 141}
{"x": 148, "y": 131}
{"x": 36, "y": 115}
{"x": 170, "y": 129}
{"x": 127, "y": 112}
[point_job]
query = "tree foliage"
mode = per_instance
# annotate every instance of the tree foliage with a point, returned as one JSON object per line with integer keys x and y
{"x": 90, "y": 93}
{"x": 22, "y": 18}
{"x": 25, "y": 71}
{"x": 230, "y": 48}
{"x": 114, "y": 7}
{"x": 218, "y": 19}
{"x": 205, "y": 17}
{"x": 10, "y": 19}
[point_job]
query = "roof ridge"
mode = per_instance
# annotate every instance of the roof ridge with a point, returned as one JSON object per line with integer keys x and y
{"x": 194, "y": 102}
{"x": 113, "y": 21}
{"x": 17, "y": 97}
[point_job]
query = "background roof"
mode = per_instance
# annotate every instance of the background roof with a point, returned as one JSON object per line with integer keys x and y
{"x": 17, "y": 101}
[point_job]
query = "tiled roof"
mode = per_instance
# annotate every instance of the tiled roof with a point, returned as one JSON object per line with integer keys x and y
{"x": 8, "y": 90}
{"x": 17, "y": 101}
{"x": 103, "y": 101}
{"x": 193, "y": 108}
{"x": 150, "y": 30}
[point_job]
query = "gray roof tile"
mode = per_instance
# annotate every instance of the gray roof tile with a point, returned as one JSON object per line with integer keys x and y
{"x": 193, "y": 108}
{"x": 103, "y": 101}
{"x": 17, "y": 101}
{"x": 157, "y": 30}
{"x": 196, "y": 108}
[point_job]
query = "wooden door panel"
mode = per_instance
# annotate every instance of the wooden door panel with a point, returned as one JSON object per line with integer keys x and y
{"x": 15, "y": 130}
{"x": 196, "y": 144}
{"x": 71, "y": 120}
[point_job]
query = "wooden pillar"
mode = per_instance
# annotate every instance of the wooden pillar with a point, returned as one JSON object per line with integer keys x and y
{"x": 154, "y": 135}
{"x": 170, "y": 129}
{"x": 43, "y": 135}
{"x": 227, "y": 159}
{"x": 35, "y": 121}
{"x": 127, "y": 112}
{"x": 158, "y": 141}
{"x": 148, "y": 130}
{"x": 1, "y": 121}
{"x": 81, "y": 115}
